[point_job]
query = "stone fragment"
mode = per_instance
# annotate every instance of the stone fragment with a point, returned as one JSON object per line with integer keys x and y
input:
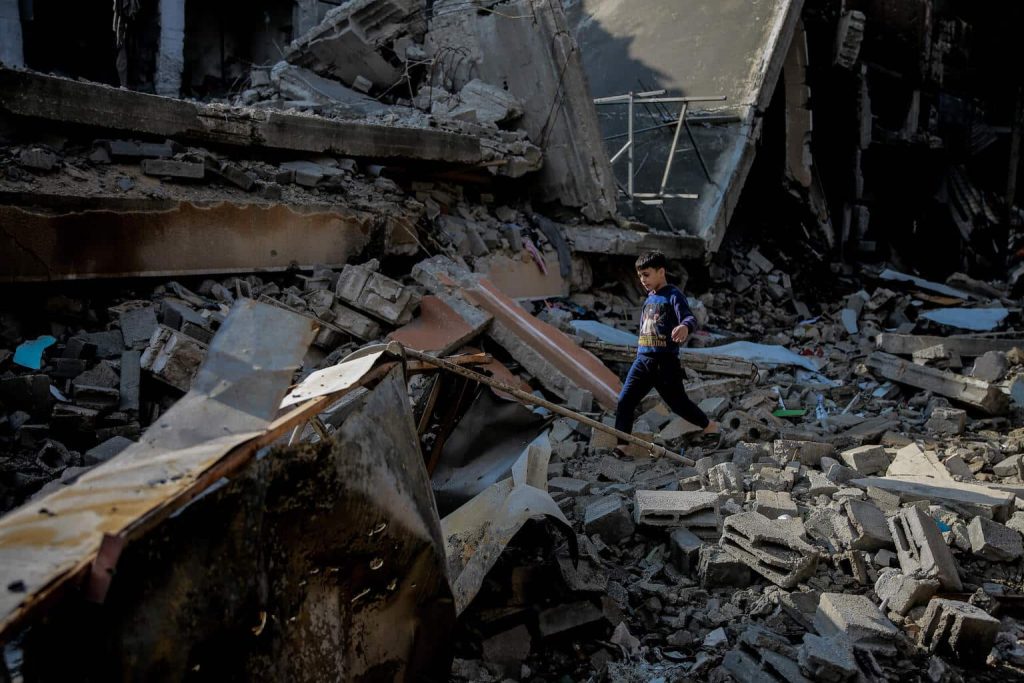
{"x": 866, "y": 459}
{"x": 566, "y": 617}
{"x": 994, "y": 541}
{"x": 921, "y": 548}
{"x": 773, "y": 504}
{"x": 958, "y": 628}
{"x": 508, "y": 647}
{"x": 173, "y": 358}
{"x": 990, "y": 366}
{"x": 770, "y": 549}
{"x": 615, "y": 469}
{"x": 137, "y": 326}
{"x": 725, "y": 477}
{"x": 947, "y": 421}
{"x": 684, "y": 547}
{"x": 807, "y": 452}
{"x": 171, "y": 168}
{"x": 608, "y": 518}
{"x": 105, "y": 451}
{"x": 901, "y": 592}
{"x": 857, "y": 618}
{"x": 870, "y": 529}
{"x": 827, "y": 659}
{"x": 380, "y": 296}
{"x": 574, "y": 487}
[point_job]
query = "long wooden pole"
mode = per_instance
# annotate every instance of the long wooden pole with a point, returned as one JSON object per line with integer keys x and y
{"x": 653, "y": 449}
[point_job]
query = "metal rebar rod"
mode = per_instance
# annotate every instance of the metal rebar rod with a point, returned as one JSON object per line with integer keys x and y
{"x": 639, "y": 98}
{"x": 523, "y": 396}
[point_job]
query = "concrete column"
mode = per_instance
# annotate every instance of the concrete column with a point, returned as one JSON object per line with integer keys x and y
{"x": 11, "y": 53}
{"x": 171, "y": 57}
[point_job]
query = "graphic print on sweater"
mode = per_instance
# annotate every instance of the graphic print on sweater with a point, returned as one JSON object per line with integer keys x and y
{"x": 651, "y": 333}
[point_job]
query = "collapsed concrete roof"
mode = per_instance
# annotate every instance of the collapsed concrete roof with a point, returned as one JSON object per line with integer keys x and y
{"x": 696, "y": 49}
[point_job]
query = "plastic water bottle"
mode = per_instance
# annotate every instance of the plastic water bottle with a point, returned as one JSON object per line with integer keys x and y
{"x": 820, "y": 411}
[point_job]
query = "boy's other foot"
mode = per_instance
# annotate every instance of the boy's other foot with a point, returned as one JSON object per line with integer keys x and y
{"x": 712, "y": 428}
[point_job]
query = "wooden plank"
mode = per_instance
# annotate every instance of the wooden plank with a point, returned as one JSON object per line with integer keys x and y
{"x": 906, "y": 344}
{"x": 967, "y": 390}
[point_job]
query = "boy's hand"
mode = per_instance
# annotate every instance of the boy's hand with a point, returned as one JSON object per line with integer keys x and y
{"x": 680, "y": 333}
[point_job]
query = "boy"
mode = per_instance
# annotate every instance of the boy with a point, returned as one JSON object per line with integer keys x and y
{"x": 666, "y": 321}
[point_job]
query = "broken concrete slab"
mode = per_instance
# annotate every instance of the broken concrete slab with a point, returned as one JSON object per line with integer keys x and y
{"x": 907, "y": 344}
{"x": 973, "y": 392}
{"x": 697, "y": 511}
{"x": 438, "y": 328}
{"x": 171, "y": 168}
{"x": 567, "y": 617}
{"x": 105, "y": 451}
{"x": 967, "y": 499}
{"x": 770, "y": 549}
{"x": 921, "y": 548}
{"x": 913, "y": 461}
{"x": 808, "y": 453}
{"x": 546, "y": 352}
{"x": 958, "y": 628}
{"x": 684, "y": 548}
{"x": 994, "y": 541}
{"x": 856, "y": 618}
{"x": 947, "y": 421}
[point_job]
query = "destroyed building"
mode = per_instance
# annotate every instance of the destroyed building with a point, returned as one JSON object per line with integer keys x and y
{"x": 315, "y": 314}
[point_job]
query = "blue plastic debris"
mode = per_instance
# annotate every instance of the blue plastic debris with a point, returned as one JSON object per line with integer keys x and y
{"x": 943, "y": 527}
{"x": 30, "y": 353}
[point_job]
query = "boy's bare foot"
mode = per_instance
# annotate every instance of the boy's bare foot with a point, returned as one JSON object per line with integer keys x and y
{"x": 712, "y": 428}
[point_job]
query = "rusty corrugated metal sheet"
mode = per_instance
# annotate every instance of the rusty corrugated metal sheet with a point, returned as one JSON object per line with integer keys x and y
{"x": 236, "y": 393}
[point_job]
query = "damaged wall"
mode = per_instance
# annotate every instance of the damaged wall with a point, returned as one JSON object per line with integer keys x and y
{"x": 526, "y": 48}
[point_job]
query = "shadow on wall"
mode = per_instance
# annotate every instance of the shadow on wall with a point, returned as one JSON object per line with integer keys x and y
{"x": 613, "y": 68}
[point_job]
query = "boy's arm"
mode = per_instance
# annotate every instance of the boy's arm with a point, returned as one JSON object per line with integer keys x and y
{"x": 683, "y": 313}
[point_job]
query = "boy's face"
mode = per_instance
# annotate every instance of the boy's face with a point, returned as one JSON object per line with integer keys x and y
{"x": 652, "y": 279}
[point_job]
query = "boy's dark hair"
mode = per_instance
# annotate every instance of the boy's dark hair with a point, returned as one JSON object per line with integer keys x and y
{"x": 651, "y": 259}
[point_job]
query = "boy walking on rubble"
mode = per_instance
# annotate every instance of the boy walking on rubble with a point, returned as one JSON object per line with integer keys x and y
{"x": 665, "y": 322}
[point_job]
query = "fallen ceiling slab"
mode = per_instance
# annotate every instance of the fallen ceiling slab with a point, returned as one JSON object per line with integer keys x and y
{"x": 129, "y": 238}
{"x": 728, "y": 48}
{"x": 91, "y": 104}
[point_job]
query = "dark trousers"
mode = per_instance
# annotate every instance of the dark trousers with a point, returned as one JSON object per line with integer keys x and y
{"x": 659, "y": 371}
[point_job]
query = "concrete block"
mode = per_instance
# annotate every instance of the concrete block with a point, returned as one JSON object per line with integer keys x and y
{"x": 902, "y": 593}
{"x": 697, "y": 511}
{"x": 718, "y": 568}
{"x": 957, "y": 628}
{"x": 990, "y": 366}
{"x": 130, "y": 381}
{"x": 608, "y": 518}
{"x": 921, "y": 548}
{"x": 993, "y": 541}
{"x": 857, "y": 618}
{"x": 866, "y": 459}
{"x": 870, "y": 529}
{"x": 772, "y": 504}
{"x": 376, "y": 294}
{"x": 1009, "y": 467}
{"x": 579, "y": 400}
{"x": 684, "y": 548}
{"x": 355, "y": 323}
{"x": 745, "y": 454}
{"x": 769, "y": 548}
{"x": 912, "y": 461}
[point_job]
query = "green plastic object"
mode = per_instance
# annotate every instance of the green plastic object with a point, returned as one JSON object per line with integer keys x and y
{"x": 800, "y": 412}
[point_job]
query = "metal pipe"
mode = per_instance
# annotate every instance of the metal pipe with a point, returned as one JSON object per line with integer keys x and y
{"x": 633, "y": 97}
{"x": 623, "y": 98}
{"x": 672, "y": 150}
{"x": 520, "y": 395}
{"x": 705, "y": 120}
{"x": 618, "y": 154}
{"x": 629, "y": 181}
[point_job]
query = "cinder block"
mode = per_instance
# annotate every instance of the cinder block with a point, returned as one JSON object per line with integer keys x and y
{"x": 963, "y": 630}
{"x": 857, "y": 618}
{"x": 921, "y": 548}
